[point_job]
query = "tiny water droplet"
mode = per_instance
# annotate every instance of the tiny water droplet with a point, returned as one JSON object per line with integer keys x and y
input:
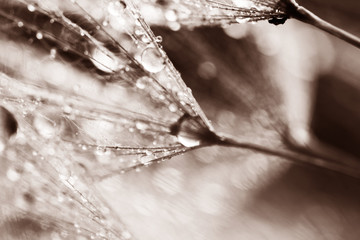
{"x": 67, "y": 109}
{"x": 142, "y": 82}
{"x": 53, "y": 53}
{"x": 105, "y": 23}
{"x": 158, "y": 39}
{"x": 20, "y": 24}
{"x": 145, "y": 39}
{"x": 39, "y": 35}
{"x": 142, "y": 126}
{"x": 31, "y": 7}
{"x": 173, "y": 107}
{"x": 152, "y": 60}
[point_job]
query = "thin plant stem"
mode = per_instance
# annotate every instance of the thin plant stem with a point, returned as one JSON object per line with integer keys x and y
{"x": 300, "y": 13}
{"x": 296, "y": 155}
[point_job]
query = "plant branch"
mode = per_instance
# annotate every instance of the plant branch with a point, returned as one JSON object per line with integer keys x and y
{"x": 296, "y": 156}
{"x": 300, "y": 13}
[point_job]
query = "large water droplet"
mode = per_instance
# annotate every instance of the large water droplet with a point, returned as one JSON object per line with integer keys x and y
{"x": 104, "y": 60}
{"x": 187, "y": 141}
{"x": 152, "y": 60}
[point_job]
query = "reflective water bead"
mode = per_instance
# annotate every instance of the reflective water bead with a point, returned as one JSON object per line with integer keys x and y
{"x": 142, "y": 82}
{"x": 104, "y": 60}
{"x": 173, "y": 107}
{"x": 53, "y": 53}
{"x": 44, "y": 127}
{"x": 31, "y": 7}
{"x": 39, "y": 35}
{"x": 170, "y": 15}
{"x": 142, "y": 126}
{"x": 152, "y": 60}
{"x": 158, "y": 39}
{"x": 187, "y": 141}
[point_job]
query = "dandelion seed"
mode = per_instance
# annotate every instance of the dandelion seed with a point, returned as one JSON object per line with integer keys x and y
{"x": 121, "y": 80}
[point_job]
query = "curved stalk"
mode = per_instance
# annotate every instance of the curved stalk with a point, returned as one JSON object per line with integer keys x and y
{"x": 298, "y": 156}
{"x": 294, "y": 10}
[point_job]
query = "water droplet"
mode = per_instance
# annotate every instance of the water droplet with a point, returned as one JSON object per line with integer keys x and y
{"x": 173, "y": 107}
{"x": 31, "y": 7}
{"x": 44, "y": 127}
{"x": 241, "y": 20}
{"x": 174, "y": 26}
{"x": 20, "y": 24}
{"x": 170, "y": 15}
{"x": 39, "y": 35}
{"x": 142, "y": 82}
{"x": 104, "y": 60}
{"x": 105, "y": 23}
{"x": 53, "y": 53}
{"x": 152, "y": 60}
{"x": 158, "y": 39}
{"x": 67, "y": 109}
{"x": 187, "y": 141}
{"x": 146, "y": 159}
{"x": 115, "y": 8}
{"x": 145, "y": 39}
{"x": 207, "y": 70}
{"x": 12, "y": 175}
{"x": 141, "y": 125}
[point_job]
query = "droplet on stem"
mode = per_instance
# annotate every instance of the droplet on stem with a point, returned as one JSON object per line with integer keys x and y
{"x": 152, "y": 60}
